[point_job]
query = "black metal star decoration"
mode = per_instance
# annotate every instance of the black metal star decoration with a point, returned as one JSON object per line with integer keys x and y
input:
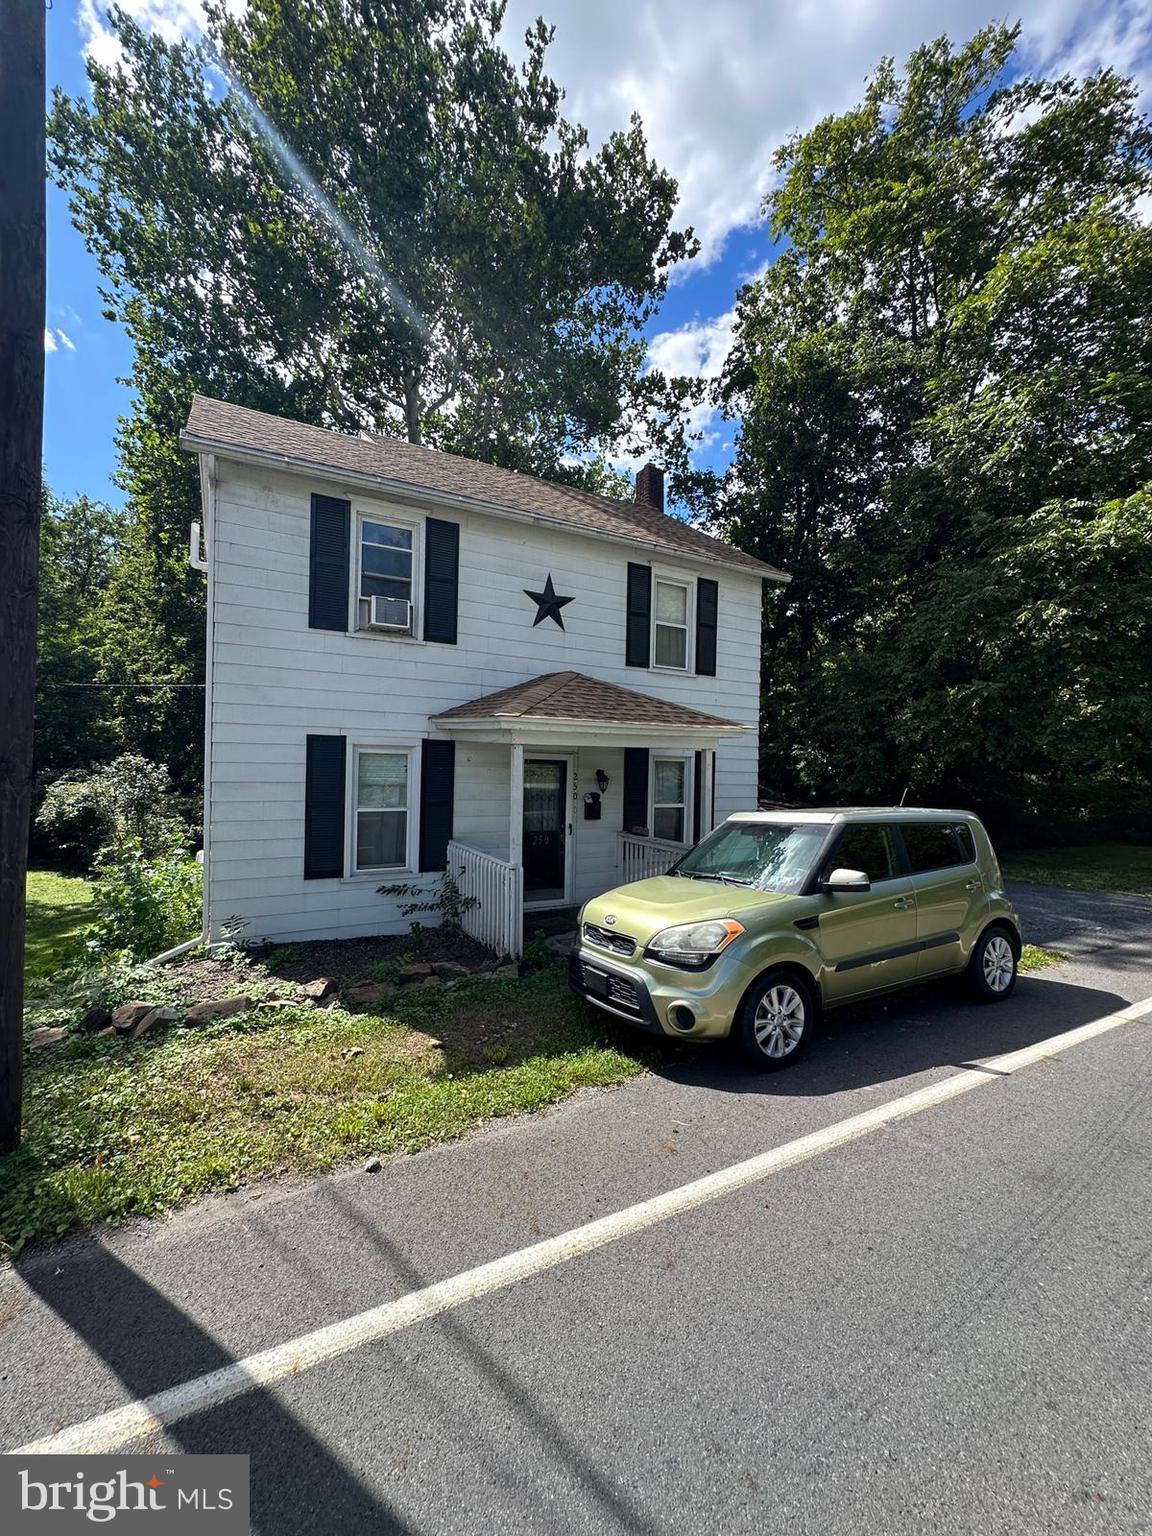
{"x": 548, "y": 605}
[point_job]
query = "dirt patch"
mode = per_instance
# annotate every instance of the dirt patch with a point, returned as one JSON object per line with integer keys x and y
{"x": 345, "y": 961}
{"x": 210, "y": 981}
{"x": 283, "y": 971}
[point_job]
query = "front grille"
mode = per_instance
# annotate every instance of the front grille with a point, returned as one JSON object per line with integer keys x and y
{"x": 623, "y": 994}
{"x": 608, "y": 938}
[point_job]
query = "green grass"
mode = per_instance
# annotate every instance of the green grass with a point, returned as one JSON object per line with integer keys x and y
{"x": 1033, "y": 958}
{"x": 1096, "y": 867}
{"x": 57, "y": 917}
{"x": 116, "y": 1128}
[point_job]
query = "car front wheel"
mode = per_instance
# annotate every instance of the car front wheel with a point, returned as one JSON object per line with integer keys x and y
{"x": 775, "y": 1023}
{"x": 992, "y": 968}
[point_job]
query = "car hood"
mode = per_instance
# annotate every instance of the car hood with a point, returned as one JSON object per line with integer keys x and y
{"x": 644, "y": 907}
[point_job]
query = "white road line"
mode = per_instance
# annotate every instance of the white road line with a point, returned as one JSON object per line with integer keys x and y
{"x": 149, "y": 1415}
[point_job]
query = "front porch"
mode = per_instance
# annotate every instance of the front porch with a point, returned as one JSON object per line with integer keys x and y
{"x": 565, "y": 787}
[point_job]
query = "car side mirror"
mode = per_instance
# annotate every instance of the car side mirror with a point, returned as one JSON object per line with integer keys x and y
{"x": 847, "y": 880}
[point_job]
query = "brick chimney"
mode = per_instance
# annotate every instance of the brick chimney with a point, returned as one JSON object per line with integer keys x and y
{"x": 650, "y": 487}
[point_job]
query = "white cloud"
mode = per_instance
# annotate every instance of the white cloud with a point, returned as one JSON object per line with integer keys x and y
{"x": 172, "y": 19}
{"x": 55, "y": 338}
{"x": 65, "y": 340}
{"x": 720, "y": 89}
{"x": 49, "y": 340}
{"x": 696, "y": 350}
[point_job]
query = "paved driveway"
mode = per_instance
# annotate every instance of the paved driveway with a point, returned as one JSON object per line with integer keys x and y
{"x": 1086, "y": 922}
{"x": 941, "y": 1325}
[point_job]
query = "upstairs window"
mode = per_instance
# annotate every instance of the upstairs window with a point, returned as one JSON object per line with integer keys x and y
{"x": 386, "y": 586}
{"x": 670, "y": 625}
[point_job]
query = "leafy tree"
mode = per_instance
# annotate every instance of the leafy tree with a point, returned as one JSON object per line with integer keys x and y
{"x": 945, "y": 437}
{"x": 362, "y": 214}
{"x": 79, "y": 543}
{"x": 361, "y": 211}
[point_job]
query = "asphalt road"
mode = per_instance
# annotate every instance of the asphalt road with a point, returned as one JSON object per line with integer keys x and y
{"x": 944, "y": 1326}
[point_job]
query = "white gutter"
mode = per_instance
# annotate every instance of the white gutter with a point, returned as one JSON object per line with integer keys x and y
{"x": 181, "y": 949}
{"x": 403, "y": 491}
{"x": 208, "y": 505}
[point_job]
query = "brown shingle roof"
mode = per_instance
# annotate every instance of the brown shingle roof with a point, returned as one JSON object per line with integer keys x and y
{"x": 213, "y": 423}
{"x": 573, "y": 696}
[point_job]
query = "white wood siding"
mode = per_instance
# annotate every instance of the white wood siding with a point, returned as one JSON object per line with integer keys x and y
{"x": 274, "y": 681}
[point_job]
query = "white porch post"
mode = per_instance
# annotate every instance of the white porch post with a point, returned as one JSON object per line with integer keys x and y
{"x": 516, "y": 834}
{"x": 707, "y": 809}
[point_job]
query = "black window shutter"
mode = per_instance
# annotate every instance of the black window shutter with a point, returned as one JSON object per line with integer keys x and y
{"x": 441, "y": 582}
{"x": 328, "y": 567}
{"x": 437, "y": 793}
{"x": 707, "y": 605}
{"x": 637, "y": 648}
{"x": 635, "y": 788}
{"x": 697, "y": 796}
{"x": 324, "y": 808}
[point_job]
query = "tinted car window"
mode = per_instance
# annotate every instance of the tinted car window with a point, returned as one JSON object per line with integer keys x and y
{"x": 967, "y": 846}
{"x": 863, "y": 847}
{"x": 931, "y": 845}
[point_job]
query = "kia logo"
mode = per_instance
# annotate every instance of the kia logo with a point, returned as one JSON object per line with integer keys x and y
{"x": 609, "y": 920}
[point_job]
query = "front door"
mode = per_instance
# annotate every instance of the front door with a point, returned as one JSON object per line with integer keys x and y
{"x": 545, "y": 829}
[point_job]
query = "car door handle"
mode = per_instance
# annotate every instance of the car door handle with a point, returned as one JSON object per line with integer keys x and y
{"x": 971, "y": 885}
{"x": 901, "y": 903}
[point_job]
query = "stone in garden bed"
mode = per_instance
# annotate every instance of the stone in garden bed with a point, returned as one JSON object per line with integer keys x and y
{"x": 95, "y": 1021}
{"x": 450, "y": 970}
{"x": 221, "y": 1008}
{"x": 370, "y": 992}
{"x": 319, "y": 989}
{"x": 128, "y": 1015}
{"x": 46, "y": 1035}
{"x": 152, "y": 1017}
{"x": 415, "y": 970}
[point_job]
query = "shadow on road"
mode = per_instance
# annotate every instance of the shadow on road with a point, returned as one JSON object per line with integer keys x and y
{"x": 615, "y": 1511}
{"x": 150, "y": 1344}
{"x": 893, "y": 1038}
{"x": 297, "y": 1484}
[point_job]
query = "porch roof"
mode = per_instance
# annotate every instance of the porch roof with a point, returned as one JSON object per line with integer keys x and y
{"x": 590, "y": 709}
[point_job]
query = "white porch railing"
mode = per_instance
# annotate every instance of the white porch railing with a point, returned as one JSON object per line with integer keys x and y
{"x": 641, "y": 857}
{"x": 497, "y": 916}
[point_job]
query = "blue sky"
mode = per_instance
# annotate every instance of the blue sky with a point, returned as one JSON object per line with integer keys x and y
{"x": 718, "y": 88}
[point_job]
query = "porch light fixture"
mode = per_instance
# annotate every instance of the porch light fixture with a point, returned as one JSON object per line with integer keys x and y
{"x": 602, "y": 781}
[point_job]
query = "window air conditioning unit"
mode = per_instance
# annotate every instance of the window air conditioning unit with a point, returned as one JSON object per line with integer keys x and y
{"x": 394, "y": 613}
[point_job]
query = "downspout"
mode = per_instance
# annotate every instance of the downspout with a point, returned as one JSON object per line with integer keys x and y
{"x": 208, "y": 481}
{"x": 200, "y": 547}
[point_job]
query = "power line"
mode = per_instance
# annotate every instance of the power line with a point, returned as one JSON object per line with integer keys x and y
{"x": 57, "y": 687}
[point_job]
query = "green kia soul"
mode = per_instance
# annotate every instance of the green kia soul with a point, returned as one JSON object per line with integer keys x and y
{"x": 777, "y": 915}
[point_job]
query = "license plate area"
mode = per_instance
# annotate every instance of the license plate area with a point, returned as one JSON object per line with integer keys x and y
{"x": 595, "y": 981}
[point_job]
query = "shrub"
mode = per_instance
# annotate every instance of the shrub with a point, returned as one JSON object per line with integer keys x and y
{"x": 144, "y": 904}
{"x": 125, "y": 801}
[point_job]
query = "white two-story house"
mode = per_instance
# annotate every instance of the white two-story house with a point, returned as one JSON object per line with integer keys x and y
{"x": 419, "y": 663}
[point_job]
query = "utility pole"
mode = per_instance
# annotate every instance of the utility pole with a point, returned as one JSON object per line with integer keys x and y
{"x": 22, "y": 285}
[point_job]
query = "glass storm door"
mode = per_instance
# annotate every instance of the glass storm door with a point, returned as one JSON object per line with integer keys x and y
{"x": 545, "y": 828}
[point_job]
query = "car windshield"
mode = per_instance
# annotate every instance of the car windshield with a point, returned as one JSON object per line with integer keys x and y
{"x": 770, "y": 856}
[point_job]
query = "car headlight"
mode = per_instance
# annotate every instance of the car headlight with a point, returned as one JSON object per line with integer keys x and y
{"x": 694, "y": 944}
